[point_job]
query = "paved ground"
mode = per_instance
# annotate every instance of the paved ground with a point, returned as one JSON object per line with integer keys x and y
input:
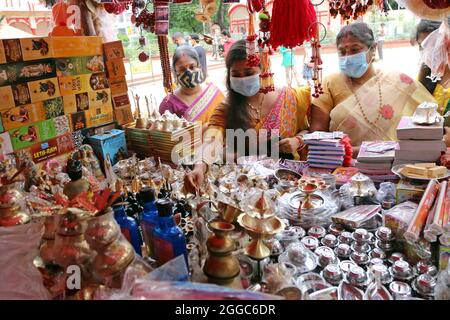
{"x": 404, "y": 59}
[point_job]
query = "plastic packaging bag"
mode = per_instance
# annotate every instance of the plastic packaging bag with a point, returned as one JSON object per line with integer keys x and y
{"x": 436, "y": 51}
{"x": 19, "y": 278}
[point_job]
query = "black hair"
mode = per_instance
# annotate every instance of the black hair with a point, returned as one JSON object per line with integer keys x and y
{"x": 360, "y": 31}
{"x": 238, "y": 116}
{"x": 226, "y": 33}
{"x": 177, "y": 35}
{"x": 195, "y": 37}
{"x": 427, "y": 26}
{"x": 184, "y": 50}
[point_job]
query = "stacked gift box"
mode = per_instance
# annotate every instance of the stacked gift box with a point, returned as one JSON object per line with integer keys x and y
{"x": 49, "y": 88}
{"x": 375, "y": 160}
{"x": 115, "y": 67}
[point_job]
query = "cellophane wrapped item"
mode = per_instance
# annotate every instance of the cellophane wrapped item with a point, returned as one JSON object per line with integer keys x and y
{"x": 442, "y": 289}
{"x": 19, "y": 278}
{"x": 435, "y": 53}
{"x": 399, "y": 217}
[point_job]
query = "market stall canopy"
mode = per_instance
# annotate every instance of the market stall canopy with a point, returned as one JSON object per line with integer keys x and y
{"x": 22, "y": 8}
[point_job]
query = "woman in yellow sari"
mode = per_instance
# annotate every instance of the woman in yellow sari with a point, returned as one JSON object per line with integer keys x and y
{"x": 365, "y": 103}
{"x": 283, "y": 113}
{"x": 193, "y": 99}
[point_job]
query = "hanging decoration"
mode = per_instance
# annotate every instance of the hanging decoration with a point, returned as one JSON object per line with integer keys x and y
{"x": 165, "y": 63}
{"x": 209, "y": 8}
{"x": 316, "y": 59}
{"x": 290, "y": 23}
{"x": 353, "y": 9}
{"x": 66, "y": 20}
{"x": 266, "y": 76}
{"x": 428, "y": 9}
{"x": 115, "y": 7}
{"x": 253, "y": 59}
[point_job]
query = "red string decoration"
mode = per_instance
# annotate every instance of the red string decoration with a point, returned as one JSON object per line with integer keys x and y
{"x": 165, "y": 63}
{"x": 266, "y": 76}
{"x": 252, "y": 51}
{"x": 290, "y": 22}
{"x": 316, "y": 59}
{"x": 354, "y": 9}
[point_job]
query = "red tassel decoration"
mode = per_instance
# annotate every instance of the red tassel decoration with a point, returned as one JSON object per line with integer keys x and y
{"x": 290, "y": 23}
{"x": 252, "y": 50}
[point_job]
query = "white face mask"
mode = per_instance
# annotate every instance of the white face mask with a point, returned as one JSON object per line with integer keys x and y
{"x": 246, "y": 86}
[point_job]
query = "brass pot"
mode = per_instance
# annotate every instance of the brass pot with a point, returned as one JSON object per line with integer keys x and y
{"x": 221, "y": 266}
{"x": 102, "y": 230}
{"x": 12, "y": 216}
{"x": 50, "y": 228}
{"x": 228, "y": 212}
{"x": 71, "y": 250}
{"x": 47, "y": 252}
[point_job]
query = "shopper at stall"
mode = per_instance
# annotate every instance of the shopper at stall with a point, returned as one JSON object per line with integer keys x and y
{"x": 365, "y": 103}
{"x": 195, "y": 42}
{"x": 227, "y": 42}
{"x": 178, "y": 39}
{"x": 193, "y": 99}
{"x": 246, "y": 108}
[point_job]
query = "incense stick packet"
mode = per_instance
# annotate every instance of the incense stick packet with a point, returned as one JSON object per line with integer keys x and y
{"x": 416, "y": 225}
{"x": 437, "y": 225}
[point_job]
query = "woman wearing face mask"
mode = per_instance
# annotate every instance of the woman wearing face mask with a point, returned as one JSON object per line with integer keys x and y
{"x": 193, "y": 99}
{"x": 246, "y": 108}
{"x": 365, "y": 103}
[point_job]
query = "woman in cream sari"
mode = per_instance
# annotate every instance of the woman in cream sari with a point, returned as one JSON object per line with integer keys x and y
{"x": 365, "y": 103}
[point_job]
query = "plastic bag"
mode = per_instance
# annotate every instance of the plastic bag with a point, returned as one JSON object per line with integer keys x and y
{"x": 19, "y": 278}
{"x": 436, "y": 51}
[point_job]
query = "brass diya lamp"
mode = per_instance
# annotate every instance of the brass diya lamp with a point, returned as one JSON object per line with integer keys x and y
{"x": 228, "y": 212}
{"x": 308, "y": 187}
{"x": 260, "y": 225}
{"x": 221, "y": 266}
{"x": 11, "y": 213}
{"x": 141, "y": 123}
{"x": 361, "y": 186}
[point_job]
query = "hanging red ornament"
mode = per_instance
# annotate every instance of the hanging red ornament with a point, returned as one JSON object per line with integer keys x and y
{"x": 115, "y": 7}
{"x": 290, "y": 22}
{"x": 143, "y": 57}
{"x": 252, "y": 51}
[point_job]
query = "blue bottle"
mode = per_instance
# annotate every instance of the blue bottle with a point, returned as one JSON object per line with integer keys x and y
{"x": 149, "y": 217}
{"x": 128, "y": 226}
{"x": 168, "y": 239}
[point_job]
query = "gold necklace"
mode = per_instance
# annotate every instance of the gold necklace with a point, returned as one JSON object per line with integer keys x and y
{"x": 380, "y": 101}
{"x": 257, "y": 110}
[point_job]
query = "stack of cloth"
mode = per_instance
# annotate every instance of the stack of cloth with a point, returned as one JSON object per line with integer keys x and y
{"x": 375, "y": 160}
{"x": 418, "y": 143}
{"x": 328, "y": 150}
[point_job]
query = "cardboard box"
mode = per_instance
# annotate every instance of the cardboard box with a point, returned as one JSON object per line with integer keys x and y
{"x": 121, "y": 100}
{"x": 83, "y": 83}
{"x": 2, "y": 53}
{"x": 98, "y": 116}
{"x": 53, "y": 108}
{"x": 406, "y": 190}
{"x": 116, "y": 69}
{"x": 66, "y": 47}
{"x": 111, "y": 144}
{"x": 61, "y": 124}
{"x": 123, "y": 115}
{"x": 119, "y": 87}
{"x": 20, "y": 72}
{"x": 78, "y": 121}
{"x": 85, "y": 100}
{"x": 24, "y": 115}
{"x": 80, "y": 65}
{"x": 26, "y": 136}
{"x": 44, "y": 89}
{"x": 17, "y": 50}
{"x": 5, "y": 144}
{"x": 113, "y": 50}
{"x": 100, "y": 98}
{"x": 47, "y": 149}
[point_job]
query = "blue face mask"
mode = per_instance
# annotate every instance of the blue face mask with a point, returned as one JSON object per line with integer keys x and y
{"x": 355, "y": 65}
{"x": 247, "y": 86}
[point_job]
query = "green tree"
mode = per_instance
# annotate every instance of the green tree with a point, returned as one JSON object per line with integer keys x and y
{"x": 182, "y": 18}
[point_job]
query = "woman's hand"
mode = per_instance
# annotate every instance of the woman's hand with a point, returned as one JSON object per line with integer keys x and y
{"x": 289, "y": 145}
{"x": 447, "y": 137}
{"x": 194, "y": 179}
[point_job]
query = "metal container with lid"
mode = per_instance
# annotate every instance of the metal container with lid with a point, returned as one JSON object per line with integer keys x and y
{"x": 326, "y": 256}
{"x": 400, "y": 290}
{"x": 360, "y": 247}
{"x": 329, "y": 240}
{"x": 345, "y": 237}
{"x": 395, "y": 257}
{"x": 381, "y": 271}
{"x": 375, "y": 261}
{"x": 426, "y": 267}
{"x": 384, "y": 234}
{"x": 378, "y": 253}
{"x": 335, "y": 229}
{"x": 287, "y": 236}
{"x": 357, "y": 277}
{"x": 310, "y": 242}
{"x": 401, "y": 270}
{"x": 362, "y": 235}
{"x": 317, "y": 232}
{"x": 424, "y": 285}
{"x": 343, "y": 251}
{"x": 383, "y": 245}
{"x": 300, "y": 231}
{"x": 332, "y": 274}
{"x": 360, "y": 258}
{"x": 345, "y": 265}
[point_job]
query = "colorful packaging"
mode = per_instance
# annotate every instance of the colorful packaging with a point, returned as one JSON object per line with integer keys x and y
{"x": 116, "y": 69}
{"x": 44, "y": 89}
{"x": 121, "y": 100}
{"x": 100, "y": 115}
{"x": 61, "y": 124}
{"x": 17, "y": 50}
{"x": 20, "y": 72}
{"x": 119, "y": 87}
{"x": 79, "y": 65}
{"x": 46, "y": 150}
{"x": 85, "y": 100}
{"x": 344, "y": 174}
{"x": 78, "y": 121}
{"x": 408, "y": 191}
{"x": 53, "y": 108}
{"x": 83, "y": 83}
{"x": 399, "y": 217}
{"x": 65, "y": 47}
{"x": 113, "y": 50}
{"x": 5, "y": 144}
{"x": 112, "y": 143}
{"x": 444, "y": 257}
{"x": 26, "y": 136}
{"x": 24, "y": 115}
{"x": 123, "y": 115}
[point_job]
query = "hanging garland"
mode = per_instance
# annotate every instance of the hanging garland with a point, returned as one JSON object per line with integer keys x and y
{"x": 266, "y": 76}
{"x": 316, "y": 59}
{"x": 165, "y": 62}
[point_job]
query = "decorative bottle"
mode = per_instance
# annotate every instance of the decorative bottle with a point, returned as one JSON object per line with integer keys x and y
{"x": 128, "y": 226}
{"x": 149, "y": 217}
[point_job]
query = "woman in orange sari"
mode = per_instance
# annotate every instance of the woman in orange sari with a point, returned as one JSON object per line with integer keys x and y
{"x": 193, "y": 99}
{"x": 283, "y": 111}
